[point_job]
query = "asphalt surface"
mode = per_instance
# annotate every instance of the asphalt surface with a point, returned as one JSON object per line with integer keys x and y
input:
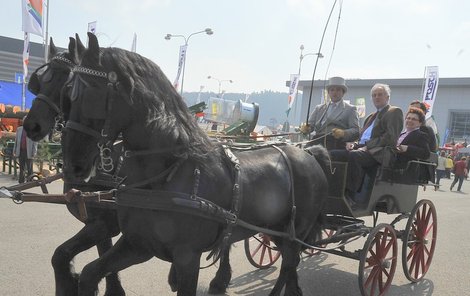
{"x": 30, "y": 232}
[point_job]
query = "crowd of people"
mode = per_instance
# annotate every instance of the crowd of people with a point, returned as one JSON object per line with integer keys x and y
{"x": 387, "y": 137}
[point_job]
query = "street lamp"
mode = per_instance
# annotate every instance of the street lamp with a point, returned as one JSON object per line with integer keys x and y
{"x": 208, "y": 31}
{"x": 220, "y": 82}
{"x": 301, "y": 58}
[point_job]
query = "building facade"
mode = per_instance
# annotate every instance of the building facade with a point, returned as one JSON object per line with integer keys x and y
{"x": 451, "y": 109}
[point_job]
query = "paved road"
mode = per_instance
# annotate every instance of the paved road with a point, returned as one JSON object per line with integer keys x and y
{"x": 30, "y": 233}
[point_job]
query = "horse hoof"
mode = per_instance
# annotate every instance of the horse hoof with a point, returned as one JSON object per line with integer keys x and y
{"x": 216, "y": 289}
{"x": 119, "y": 292}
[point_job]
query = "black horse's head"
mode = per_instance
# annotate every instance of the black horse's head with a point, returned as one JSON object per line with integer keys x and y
{"x": 114, "y": 92}
{"x": 46, "y": 83}
{"x": 90, "y": 104}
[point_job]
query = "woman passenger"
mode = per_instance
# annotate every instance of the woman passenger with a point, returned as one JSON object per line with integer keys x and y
{"x": 412, "y": 143}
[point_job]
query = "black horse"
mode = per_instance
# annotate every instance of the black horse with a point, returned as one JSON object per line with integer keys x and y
{"x": 173, "y": 165}
{"x": 102, "y": 224}
{"x": 48, "y": 83}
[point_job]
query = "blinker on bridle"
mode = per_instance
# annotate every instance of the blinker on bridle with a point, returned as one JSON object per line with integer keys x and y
{"x": 104, "y": 143}
{"x": 44, "y": 98}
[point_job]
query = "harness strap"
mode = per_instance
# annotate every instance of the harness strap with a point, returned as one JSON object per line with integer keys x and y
{"x": 184, "y": 203}
{"x": 49, "y": 102}
{"x": 167, "y": 172}
{"x": 291, "y": 226}
{"x": 82, "y": 128}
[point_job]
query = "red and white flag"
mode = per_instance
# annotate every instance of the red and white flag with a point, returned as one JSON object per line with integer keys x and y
{"x": 25, "y": 55}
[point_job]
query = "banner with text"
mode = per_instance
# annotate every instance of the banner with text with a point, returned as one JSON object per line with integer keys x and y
{"x": 294, "y": 83}
{"x": 181, "y": 61}
{"x": 430, "y": 88}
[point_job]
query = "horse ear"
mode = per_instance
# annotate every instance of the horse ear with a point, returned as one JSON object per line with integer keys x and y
{"x": 93, "y": 51}
{"x": 71, "y": 47}
{"x": 79, "y": 48}
{"x": 52, "y": 49}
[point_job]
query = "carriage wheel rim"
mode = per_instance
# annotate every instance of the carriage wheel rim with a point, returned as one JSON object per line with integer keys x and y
{"x": 419, "y": 241}
{"x": 263, "y": 253}
{"x": 378, "y": 261}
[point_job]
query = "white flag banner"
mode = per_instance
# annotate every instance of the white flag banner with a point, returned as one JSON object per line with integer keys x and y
{"x": 430, "y": 88}
{"x": 25, "y": 55}
{"x": 294, "y": 83}
{"x": 181, "y": 60}
{"x": 32, "y": 16}
{"x": 92, "y": 27}
{"x": 134, "y": 43}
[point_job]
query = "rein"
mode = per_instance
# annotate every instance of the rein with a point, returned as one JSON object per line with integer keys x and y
{"x": 59, "y": 119}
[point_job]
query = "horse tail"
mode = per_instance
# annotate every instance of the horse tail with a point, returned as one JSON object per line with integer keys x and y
{"x": 321, "y": 156}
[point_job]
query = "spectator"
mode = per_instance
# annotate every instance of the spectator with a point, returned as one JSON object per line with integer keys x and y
{"x": 460, "y": 172}
{"x": 449, "y": 166}
{"x": 24, "y": 149}
{"x": 441, "y": 167}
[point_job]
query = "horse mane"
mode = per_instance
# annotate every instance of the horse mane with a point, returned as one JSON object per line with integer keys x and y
{"x": 154, "y": 96}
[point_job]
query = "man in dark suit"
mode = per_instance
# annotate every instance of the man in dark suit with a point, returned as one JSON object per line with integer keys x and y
{"x": 336, "y": 122}
{"x": 381, "y": 130}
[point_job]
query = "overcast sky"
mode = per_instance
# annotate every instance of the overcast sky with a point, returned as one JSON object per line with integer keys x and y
{"x": 256, "y": 42}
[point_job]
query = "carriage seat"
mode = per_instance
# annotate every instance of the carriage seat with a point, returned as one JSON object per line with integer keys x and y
{"x": 419, "y": 171}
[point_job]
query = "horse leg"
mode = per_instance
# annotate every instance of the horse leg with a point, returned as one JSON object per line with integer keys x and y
{"x": 172, "y": 280}
{"x": 288, "y": 275}
{"x": 65, "y": 278}
{"x": 187, "y": 264}
{"x": 119, "y": 257}
{"x": 113, "y": 284}
{"x": 223, "y": 276}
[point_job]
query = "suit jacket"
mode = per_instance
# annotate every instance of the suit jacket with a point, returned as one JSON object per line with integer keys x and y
{"x": 345, "y": 117}
{"x": 418, "y": 147}
{"x": 31, "y": 146}
{"x": 387, "y": 128}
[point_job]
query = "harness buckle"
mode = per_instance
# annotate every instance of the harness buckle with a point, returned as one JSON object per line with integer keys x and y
{"x": 231, "y": 218}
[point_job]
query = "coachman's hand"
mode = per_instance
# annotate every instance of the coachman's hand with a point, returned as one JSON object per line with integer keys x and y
{"x": 305, "y": 128}
{"x": 337, "y": 133}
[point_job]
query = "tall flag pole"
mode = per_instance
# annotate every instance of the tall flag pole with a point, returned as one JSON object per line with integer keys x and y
{"x": 134, "y": 43}
{"x": 32, "y": 22}
{"x": 46, "y": 38}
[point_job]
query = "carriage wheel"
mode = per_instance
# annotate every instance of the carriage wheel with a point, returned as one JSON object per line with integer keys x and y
{"x": 419, "y": 240}
{"x": 261, "y": 251}
{"x": 325, "y": 233}
{"x": 378, "y": 261}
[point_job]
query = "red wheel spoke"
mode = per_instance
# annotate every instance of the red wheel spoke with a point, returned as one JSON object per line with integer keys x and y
{"x": 255, "y": 251}
{"x": 262, "y": 255}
